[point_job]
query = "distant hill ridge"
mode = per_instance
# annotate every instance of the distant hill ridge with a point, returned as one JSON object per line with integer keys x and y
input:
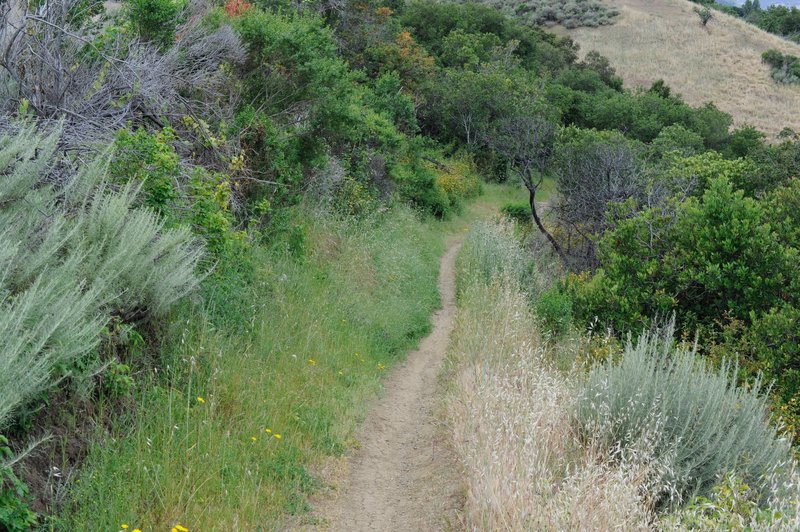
{"x": 764, "y": 3}
{"x": 663, "y": 39}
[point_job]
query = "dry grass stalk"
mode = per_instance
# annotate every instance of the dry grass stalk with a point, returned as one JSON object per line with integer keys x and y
{"x": 512, "y": 418}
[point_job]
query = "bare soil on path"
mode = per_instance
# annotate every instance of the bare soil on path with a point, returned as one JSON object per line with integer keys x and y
{"x": 403, "y": 475}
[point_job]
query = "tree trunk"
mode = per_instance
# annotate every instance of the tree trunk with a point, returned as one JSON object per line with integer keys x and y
{"x": 556, "y": 247}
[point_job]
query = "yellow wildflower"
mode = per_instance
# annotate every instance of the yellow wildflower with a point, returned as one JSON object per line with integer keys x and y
{"x": 277, "y": 436}
{"x": 200, "y": 400}
{"x": 268, "y": 430}
{"x": 253, "y": 438}
{"x": 181, "y": 528}
{"x": 312, "y": 361}
{"x": 137, "y": 530}
{"x": 123, "y": 526}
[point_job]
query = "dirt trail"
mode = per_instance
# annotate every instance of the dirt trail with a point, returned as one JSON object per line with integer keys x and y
{"x": 404, "y": 476}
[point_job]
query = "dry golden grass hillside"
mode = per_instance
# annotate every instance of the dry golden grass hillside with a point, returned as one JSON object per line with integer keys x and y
{"x": 655, "y": 39}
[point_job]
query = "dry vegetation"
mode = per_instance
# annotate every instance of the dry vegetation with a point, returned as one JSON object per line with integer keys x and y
{"x": 523, "y": 417}
{"x": 655, "y": 39}
{"x": 511, "y": 411}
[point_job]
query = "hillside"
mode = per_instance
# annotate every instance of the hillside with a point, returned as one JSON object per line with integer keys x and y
{"x": 226, "y": 301}
{"x": 655, "y": 39}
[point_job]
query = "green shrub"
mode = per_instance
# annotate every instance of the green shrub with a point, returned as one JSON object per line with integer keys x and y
{"x": 743, "y": 141}
{"x": 151, "y": 160}
{"x": 697, "y": 423}
{"x": 416, "y": 183}
{"x": 705, "y": 258}
{"x": 770, "y": 345}
{"x": 676, "y": 138}
{"x": 519, "y": 212}
{"x": 554, "y": 308}
{"x": 155, "y": 20}
{"x": 15, "y": 515}
{"x": 785, "y": 68}
{"x": 457, "y": 178}
{"x": 732, "y": 505}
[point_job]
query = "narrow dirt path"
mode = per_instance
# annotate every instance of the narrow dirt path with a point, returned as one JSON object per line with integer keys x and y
{"x": 404, "y": 476}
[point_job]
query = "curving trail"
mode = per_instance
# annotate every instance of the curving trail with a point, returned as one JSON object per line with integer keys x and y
{"x": 404, "y": 476}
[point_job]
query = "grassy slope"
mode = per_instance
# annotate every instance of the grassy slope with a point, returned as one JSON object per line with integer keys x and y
{"x": 655, "y": 39}
{"x": 300, "y": 353}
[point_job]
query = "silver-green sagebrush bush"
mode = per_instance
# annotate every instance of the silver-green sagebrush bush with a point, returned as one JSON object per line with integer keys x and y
{"x": 698, "y": 423}
{"x": 72, "y": 253}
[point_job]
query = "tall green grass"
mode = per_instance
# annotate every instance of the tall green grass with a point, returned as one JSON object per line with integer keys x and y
{"x": 262, "y": 387}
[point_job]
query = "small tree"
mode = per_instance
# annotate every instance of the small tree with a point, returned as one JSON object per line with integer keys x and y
{"x": 594, "y": 171}
{"x": 705, "y": 15}
{"x": 527, "y": 140}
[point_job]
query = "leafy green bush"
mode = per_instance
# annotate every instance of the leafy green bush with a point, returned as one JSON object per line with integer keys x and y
{"x": 155, "y": 20}
{"x": 785, "y": 68}
{"x": 15, "y": 515}
{"x": 676, "y": 138}
{"x": 519, "y": 212}
{"x": 732, "y": 505}
{"x": 416, "y": 183}
{"x": 743, "y": 141}
{"x": 705, "y": 258}
{"x": 554, "y": 308}
{"x": 459, "y": 33}
{"x": 149, "y": 159}
{"x": 457, "y": 178}
{"x": 694, "y": 173}
{"x": 769, "y": 344}
{"x": 696, "y": 421}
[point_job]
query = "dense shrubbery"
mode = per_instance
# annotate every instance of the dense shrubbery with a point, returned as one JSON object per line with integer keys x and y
{"x": 568, "y": 13}
{"x": 653, "y": 434}
{"x": 224, "y": 119}
{"x": 709, "y": 257}
{"x": 155, "y": 20}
